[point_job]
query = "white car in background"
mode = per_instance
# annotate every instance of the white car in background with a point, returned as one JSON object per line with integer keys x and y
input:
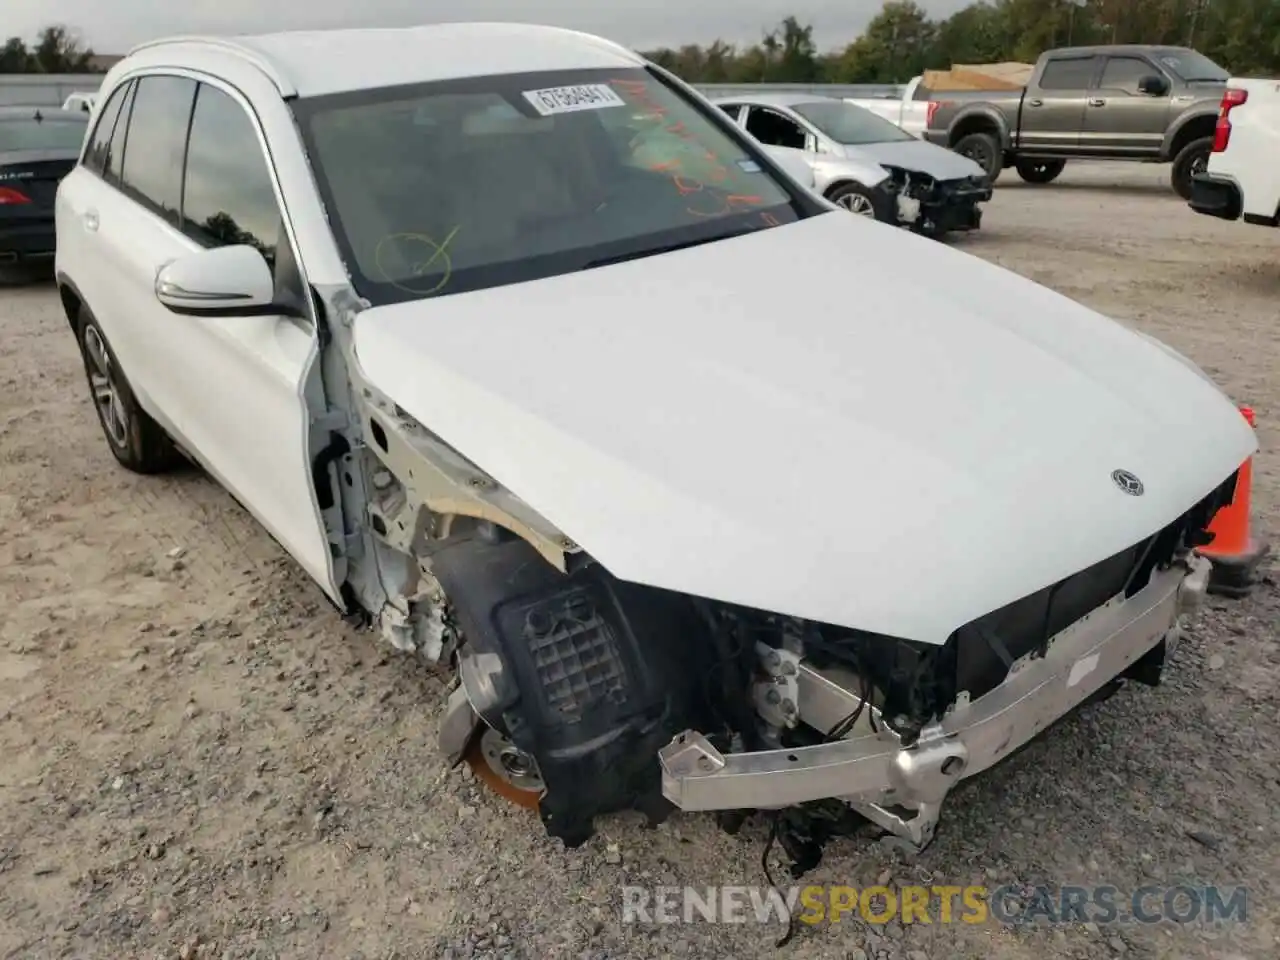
{"x": 866, "y": 164}
{"x": 80, "y": 101}
{"x": 1242, "y": 179}
{"x": 708, "y": 495}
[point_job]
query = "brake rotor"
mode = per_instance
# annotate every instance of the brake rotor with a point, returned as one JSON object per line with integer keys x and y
{"x": 505, "y": 769}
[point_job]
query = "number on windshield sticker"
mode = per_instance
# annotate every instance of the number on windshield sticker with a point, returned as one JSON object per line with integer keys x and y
{"x": 587, "y": 96}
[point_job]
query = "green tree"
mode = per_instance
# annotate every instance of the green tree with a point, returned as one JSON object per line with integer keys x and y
{"x": 899, "y": 42}
{"x": 56, "y": 50}
{"x": 14, "y": 56}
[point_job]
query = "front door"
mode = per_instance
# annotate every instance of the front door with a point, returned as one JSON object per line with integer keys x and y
{"x": 231, "y": 389}
{"x": 776, "y": 130}
{"x": 1121, "y": 120}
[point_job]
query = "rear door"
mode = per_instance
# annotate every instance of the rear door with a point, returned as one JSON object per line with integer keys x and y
{"x": 1121, "y": 120}
{"x": 1053, "y": 110}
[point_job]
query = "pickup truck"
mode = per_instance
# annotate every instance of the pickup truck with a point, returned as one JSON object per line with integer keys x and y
{"x": 911, "y": 111}
{"x": 1242, "y": 180}
{"x": 1151, "y": 104}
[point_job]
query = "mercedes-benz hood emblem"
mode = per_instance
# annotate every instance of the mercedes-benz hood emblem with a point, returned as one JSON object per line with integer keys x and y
{"x": 1127, "y": 482}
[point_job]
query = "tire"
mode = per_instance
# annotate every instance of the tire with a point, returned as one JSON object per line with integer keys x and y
{"x": 1191, "y": 159}
{"x": 858, "y": 200}
{"x": 984, "y": 150}
{"x": 1039, "y": 171}
{"x": 136, "y": 441}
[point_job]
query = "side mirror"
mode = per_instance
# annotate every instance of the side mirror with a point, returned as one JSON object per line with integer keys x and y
{"x": 230, "y": 281}
{"x": 1153, "y": 85}
{"x": 794, "y": 163}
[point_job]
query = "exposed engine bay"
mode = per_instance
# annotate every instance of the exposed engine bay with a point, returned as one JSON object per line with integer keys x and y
{"x": 935, "y": 207}
{"x": 572, "y": 684}
{"x": 579, "y": 694}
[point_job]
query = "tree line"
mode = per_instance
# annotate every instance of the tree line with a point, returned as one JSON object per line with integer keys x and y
{"x": 56, "y": 50}
{"x": 900, "y": 42}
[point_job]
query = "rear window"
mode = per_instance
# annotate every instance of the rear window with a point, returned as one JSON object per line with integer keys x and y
{"x": 447, "y": 187}
{"x": 28, "y": 133}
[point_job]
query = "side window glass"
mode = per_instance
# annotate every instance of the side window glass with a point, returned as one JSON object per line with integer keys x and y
{"x": 115, "y": 152}
{"x": 228, "y": 196}
{"x": 774, "y": 129}
{"x": 1068, "y": 74}
{"x": 157, "y": 142}
{"x": 732, "y": 109}
{"x": 1123, "y": 73}
{"x": 95, "y": 157}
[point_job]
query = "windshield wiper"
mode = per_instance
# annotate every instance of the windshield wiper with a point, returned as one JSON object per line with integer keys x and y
{"x": 665, "y": 248}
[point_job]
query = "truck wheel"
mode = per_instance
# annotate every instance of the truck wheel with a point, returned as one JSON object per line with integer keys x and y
{"x": 858, "y": 200}
{"x": 1039, "y": 171}
{"x": 136, "y": 441}
{"x": 1191, "y": 159}
{"x": 984, "y": 150}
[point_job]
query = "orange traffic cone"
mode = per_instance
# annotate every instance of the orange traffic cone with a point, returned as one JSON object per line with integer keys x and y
{"x": 1235, "y": 552}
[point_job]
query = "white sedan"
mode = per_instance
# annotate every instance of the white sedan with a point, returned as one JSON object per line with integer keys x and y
{"x": 709, "y": 495}
{"x": 865, "y": 163}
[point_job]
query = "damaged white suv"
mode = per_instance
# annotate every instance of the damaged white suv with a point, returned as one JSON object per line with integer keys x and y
{"x": 712, "y": 496}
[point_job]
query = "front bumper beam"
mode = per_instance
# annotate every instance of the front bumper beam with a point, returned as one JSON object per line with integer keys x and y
{"x": 876, "y": 775}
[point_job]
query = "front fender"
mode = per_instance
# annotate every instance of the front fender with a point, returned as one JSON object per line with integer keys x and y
{"x": 829, "y": 170}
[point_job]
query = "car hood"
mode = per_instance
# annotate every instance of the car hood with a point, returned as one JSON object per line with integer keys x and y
{"x": 834, "y": 419}
{"x": 919, "y": 155}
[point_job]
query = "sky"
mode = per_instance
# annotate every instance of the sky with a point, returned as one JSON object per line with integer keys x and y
{"x": 113, "y": 26}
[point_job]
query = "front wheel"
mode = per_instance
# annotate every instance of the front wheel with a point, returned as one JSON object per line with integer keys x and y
{"x": 1191, "y": 159}
{"x": 858, "y": 200}
{"x": 1039, "y": 171}
{"x": 984, "y": 150}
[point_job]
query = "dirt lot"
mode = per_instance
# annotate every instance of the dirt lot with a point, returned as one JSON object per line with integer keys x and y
{"x": 199, "y": 759}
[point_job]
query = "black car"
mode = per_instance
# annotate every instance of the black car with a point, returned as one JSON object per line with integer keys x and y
{"x": 38, "y": 147}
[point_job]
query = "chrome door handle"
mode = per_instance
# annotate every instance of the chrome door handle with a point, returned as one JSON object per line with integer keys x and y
{"x": 91, "y": 220}
{"x": 1097, "y": 102}
{"x": 1037, "y": 102}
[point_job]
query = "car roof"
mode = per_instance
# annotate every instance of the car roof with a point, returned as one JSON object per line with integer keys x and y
{"x": 778, "y": 99}
{"x": 310, "y": 63}
{"x": 46, "y": 113}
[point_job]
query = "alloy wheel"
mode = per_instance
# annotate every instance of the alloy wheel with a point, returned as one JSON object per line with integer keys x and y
{"x": 102, "y": 384}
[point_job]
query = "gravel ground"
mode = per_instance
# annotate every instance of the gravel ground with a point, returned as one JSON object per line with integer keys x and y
{"x": 201, "y": 760}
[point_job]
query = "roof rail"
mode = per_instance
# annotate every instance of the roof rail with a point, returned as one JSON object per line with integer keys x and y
{"x": 230, "y": 45}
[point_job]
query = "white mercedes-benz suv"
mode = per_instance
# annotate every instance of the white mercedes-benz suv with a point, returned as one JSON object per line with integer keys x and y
{"x": 710, "y": 495}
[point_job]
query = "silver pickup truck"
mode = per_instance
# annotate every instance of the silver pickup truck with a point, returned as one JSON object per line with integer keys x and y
{"x": 1150, "y": 104}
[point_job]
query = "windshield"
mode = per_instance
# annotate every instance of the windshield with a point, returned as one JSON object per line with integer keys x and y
{"x": 28, "y": 133}
{"x": 1192, "y": 67}
{"x": 455, "y": 186}
{"x": 849, "y": 124}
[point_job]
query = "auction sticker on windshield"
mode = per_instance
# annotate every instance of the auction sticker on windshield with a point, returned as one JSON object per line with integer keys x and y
{"x": 586, "y": 96}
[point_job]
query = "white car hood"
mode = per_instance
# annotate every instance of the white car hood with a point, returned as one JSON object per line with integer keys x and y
{"x": 938, "y": 162}
{"x": 834, "y": 419}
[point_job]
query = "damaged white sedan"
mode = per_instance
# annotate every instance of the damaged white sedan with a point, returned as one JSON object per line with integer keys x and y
{"x": 603, "y": 435}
